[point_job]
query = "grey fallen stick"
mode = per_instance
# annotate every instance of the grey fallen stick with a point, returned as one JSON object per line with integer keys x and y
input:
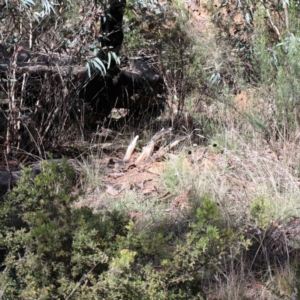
{"x": 166, "y": 149}
{"x": 130, "y": 149}
{"x": 148, "y": 150}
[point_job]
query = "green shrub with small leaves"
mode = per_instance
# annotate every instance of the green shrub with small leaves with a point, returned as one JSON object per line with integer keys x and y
{"x": 53, "y": 250}
{"x": 50, "y": 245}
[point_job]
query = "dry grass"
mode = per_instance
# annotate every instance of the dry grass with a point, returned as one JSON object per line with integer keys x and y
{"x": 254, "y": 180}
{"x": 236, "y": 173}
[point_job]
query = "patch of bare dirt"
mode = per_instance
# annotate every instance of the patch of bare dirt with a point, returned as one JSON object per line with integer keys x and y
{"x": 246, "y": 101}
{"x": 200, "y": 17}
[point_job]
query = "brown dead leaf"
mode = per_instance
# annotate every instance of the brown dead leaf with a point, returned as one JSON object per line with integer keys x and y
{"x": 111, "y": 190}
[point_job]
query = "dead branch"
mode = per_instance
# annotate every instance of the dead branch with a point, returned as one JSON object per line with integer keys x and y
{"x": 130, "y": 149}
{"x": 202, "y": 155}
{"x": 273, "y": 25}
{"x": 167, "y": 148}
{"x": 63, "y": 70}
{"x": 148, "y": 150}
{"x": 160, "y": 134}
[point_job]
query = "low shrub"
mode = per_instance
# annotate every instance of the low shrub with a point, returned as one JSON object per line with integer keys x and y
{"x": 51, "y": 249}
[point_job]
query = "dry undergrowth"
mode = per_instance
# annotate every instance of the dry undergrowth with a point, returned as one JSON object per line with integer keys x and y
{"x": 235, "y": 171}
{"x": 253, "y": 178}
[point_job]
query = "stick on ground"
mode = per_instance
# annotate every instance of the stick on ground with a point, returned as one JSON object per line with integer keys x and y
{"x": 166, "y": 149}
{"x": 130, "y": 149}
{"x": 148, "y": 150}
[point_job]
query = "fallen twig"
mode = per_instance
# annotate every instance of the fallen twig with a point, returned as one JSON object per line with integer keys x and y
{"x": 166, "y": 149}
{"x": 130, "y": 149}
{"x": 148, "y": 150}
{"x": 202, "y": 155}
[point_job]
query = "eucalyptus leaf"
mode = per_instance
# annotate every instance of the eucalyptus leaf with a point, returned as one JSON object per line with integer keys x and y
{"x": 27, "y": 3}
{"x": 96, "y": 51}
{"x": 247, "y": 18}
{"x": 99, "y": 65}
{"x": 89, "y": 69}
{"x": 109, "y": 60}
{"x": 116, "y": 58}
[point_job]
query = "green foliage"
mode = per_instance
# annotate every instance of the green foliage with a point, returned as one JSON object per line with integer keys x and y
{"x": 259, "y": 214}
{"x": 264, "y": 53}
{"x": 49, "y": 244}
{"x": 160, "y": 31}
{"x": 197, "y": 256}
{"x": 173, "y": 174}
{"x": 54, "y": 250}
{"x": 279, "y": 63}
{"x": 275, "y": 64}
{"x": 72, "y": 26}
